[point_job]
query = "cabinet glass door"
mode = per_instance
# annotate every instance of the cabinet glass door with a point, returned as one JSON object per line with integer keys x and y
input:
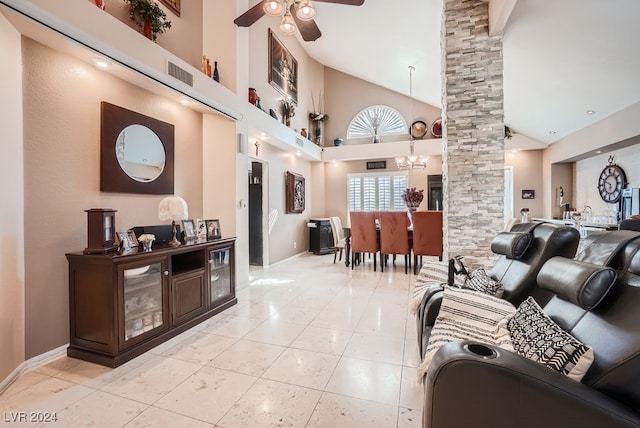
{"x": 220, "y": 274}
{"x": 143, "y": 305}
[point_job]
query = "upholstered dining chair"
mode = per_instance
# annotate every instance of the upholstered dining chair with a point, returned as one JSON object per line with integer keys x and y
{"x": 364, "y": 237}
{"x": 339, "y": 241}
{"x": 427, "y": 236}
{"x": 394, "y": 236}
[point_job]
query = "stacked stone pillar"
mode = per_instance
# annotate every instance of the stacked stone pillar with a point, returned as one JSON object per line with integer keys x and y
{"x": 473, "y": 132}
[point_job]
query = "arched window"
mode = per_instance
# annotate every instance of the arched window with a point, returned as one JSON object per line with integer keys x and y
{"x": 376, "y": 121}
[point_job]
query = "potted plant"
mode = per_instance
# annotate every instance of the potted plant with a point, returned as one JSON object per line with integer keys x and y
{"x": 149, "y": 17}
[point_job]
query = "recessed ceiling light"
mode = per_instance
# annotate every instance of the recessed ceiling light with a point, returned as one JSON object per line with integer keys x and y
{"x": 298, "y": 153}
{"x": 591, "y": 112}
{"x": 598, "y": 151}
{"x": 184, "y": 101}
{"x": 552, "y": 132}
{"x": 514, "y": 151}
{"x": 101, "y": 62}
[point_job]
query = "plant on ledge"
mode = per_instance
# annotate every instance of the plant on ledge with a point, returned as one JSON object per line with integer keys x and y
{"x": 149, "y": 17}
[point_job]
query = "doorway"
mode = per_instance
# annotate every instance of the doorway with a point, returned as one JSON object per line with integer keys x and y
{"x": 256, "y": 217}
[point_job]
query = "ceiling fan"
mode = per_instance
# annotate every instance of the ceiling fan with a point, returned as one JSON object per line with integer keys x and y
{"x": 295, "y": 13}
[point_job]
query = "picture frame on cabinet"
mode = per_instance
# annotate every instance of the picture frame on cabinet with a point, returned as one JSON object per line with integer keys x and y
{"x": 283, "y": 69}
{"x": 213, "y": 229}
{"x": 126, "y": 240}
{"x": 190, "y": 231}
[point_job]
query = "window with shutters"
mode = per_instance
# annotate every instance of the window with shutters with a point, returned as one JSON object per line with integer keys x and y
{"x": 376, "y": 192}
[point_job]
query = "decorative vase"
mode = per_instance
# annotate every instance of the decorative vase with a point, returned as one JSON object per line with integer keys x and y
{"x": 253, "y": 96}
{"x": 338, "y": 141}
{"x": 100, "y": 4}
{"x": 410, "y": 211}
{"x": 146, "y": 29}
{"x": 216, "y": 75}
{"x": 303, "y": 132}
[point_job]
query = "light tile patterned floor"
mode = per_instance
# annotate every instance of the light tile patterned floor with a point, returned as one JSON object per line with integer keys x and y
{"x": 309, "y": 344}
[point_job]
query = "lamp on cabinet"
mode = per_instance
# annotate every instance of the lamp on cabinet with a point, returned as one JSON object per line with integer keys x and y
{"x": 173, "y": 208}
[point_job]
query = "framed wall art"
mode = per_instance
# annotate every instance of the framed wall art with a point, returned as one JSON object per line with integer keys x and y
{"x": 283, "y": 69}
{"x": 174, "y": 5}
{"x": 294, "y": 193}
{"x": 528, "y": 194}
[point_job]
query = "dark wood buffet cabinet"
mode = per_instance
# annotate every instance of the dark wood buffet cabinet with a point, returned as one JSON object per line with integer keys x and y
{"x": 121, "y": 305}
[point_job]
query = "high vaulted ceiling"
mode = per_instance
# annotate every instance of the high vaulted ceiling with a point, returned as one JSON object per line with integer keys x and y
{"x": 561, "y": 57}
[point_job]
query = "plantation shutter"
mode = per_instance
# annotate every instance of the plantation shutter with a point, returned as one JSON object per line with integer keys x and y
{"x": 376, "y": 192}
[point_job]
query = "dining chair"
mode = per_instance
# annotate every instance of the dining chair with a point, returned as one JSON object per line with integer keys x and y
{"x": 427, "y": 236}
{"x": 394, "y": 237}
{"x": 339, "y": 241}
{"x": 364, "y": 237}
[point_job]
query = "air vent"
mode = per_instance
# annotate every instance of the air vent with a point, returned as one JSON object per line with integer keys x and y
{"x": 300, "y": 141}
{"x": 179, "y": 73}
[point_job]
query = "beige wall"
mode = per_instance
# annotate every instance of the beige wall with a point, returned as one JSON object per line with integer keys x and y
{"x": 62, "y": 153}
{"x": 346, "y": 96}
{"x": 184, "y": 38}
{"x": 527, "y": 167}
{"x": 336, "y": 173}
{"x": 588, "y": 171}
{"x": 289, "y": 229}
{"x": 310, "y": 72}
{"x": 12, "y": 333}
{"x": 217, "y": 24}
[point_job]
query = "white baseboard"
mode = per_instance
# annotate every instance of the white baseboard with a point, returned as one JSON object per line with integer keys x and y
{"x": 31, "y": 363}
{"x": 295, "y": 256}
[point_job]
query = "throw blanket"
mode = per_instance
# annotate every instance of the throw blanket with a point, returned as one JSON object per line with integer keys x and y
{"x": 430, "y": 273}
{"x": 469, "y": 315}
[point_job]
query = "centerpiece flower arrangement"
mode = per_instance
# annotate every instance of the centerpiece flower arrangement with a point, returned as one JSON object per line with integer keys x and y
{"x": 413, "y": 197}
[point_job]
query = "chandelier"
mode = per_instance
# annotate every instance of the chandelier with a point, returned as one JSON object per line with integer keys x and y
{"x": 412, "y": 161}
{"x": 305, "y": 11}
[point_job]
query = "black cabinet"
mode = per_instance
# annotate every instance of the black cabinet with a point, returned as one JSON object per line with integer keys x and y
{"x": 320, "y": 236}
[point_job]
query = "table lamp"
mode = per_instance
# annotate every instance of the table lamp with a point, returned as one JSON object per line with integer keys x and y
{"x": 173, "y": 208}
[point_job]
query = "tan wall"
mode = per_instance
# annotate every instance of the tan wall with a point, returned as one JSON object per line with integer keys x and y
{"x": 310, "y": 72}
{"x": 62, "y": 153}
{"x": 346, "y": 96}
{"x": 184, "y": 38}
{"x": 588, "y": 171}
{"x": 289, "y": 228}
{"x": 527, "y": 167}
{"x": 335, "y": 189}
{"x": 12, "y": 334}
{"x": 217, "y": 27}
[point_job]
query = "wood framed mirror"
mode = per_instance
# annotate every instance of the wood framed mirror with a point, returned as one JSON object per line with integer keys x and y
{"x": 136, "y": 152}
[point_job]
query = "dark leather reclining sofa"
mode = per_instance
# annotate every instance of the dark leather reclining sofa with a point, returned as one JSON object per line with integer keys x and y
{"x": 516, "y": 273}
{"x": 480, "y": 385}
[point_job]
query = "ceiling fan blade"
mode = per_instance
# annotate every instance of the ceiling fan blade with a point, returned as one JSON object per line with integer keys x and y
{"x": 250, "y": 16}
{"x": 345, "y": 2}
{"x": 308, "y": 29}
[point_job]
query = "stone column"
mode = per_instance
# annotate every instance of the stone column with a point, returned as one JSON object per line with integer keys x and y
{"x": 473, "y": 132}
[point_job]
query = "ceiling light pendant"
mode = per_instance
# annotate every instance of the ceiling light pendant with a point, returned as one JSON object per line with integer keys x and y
{"x": 273, "y": 7}
{"x": 287, "y": 25}
{"x": 305, "y": 10}
{"x": 412, "y": 161}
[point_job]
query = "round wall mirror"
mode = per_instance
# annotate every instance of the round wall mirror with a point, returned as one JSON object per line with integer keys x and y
{"x": 140, "y": 153}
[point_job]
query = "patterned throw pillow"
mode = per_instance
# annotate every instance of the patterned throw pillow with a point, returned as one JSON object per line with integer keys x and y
{"x": 536, "y": 336}
{"x": 479, "y": 280}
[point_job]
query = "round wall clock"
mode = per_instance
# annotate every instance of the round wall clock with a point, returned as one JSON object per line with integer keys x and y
{"x": 611, "y": 182}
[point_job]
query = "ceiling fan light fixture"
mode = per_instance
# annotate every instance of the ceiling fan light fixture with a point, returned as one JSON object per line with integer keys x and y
{"x": 273, "y": 7}
{"x": 287, "y": 25}
{"x": 305, "y": 10}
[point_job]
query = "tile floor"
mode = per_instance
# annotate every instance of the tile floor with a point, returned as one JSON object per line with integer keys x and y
{"x": 309, "y": 344}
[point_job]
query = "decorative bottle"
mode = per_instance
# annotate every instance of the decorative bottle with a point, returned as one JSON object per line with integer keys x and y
{"x": 216, "y": 75}
{"x": 208, "y": 68}
{"x": 203, "y": 66}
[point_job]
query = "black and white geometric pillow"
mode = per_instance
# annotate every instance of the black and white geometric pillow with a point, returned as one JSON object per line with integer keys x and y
{"x": 536, "y": 336}
{"x": 479, "y": 280}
